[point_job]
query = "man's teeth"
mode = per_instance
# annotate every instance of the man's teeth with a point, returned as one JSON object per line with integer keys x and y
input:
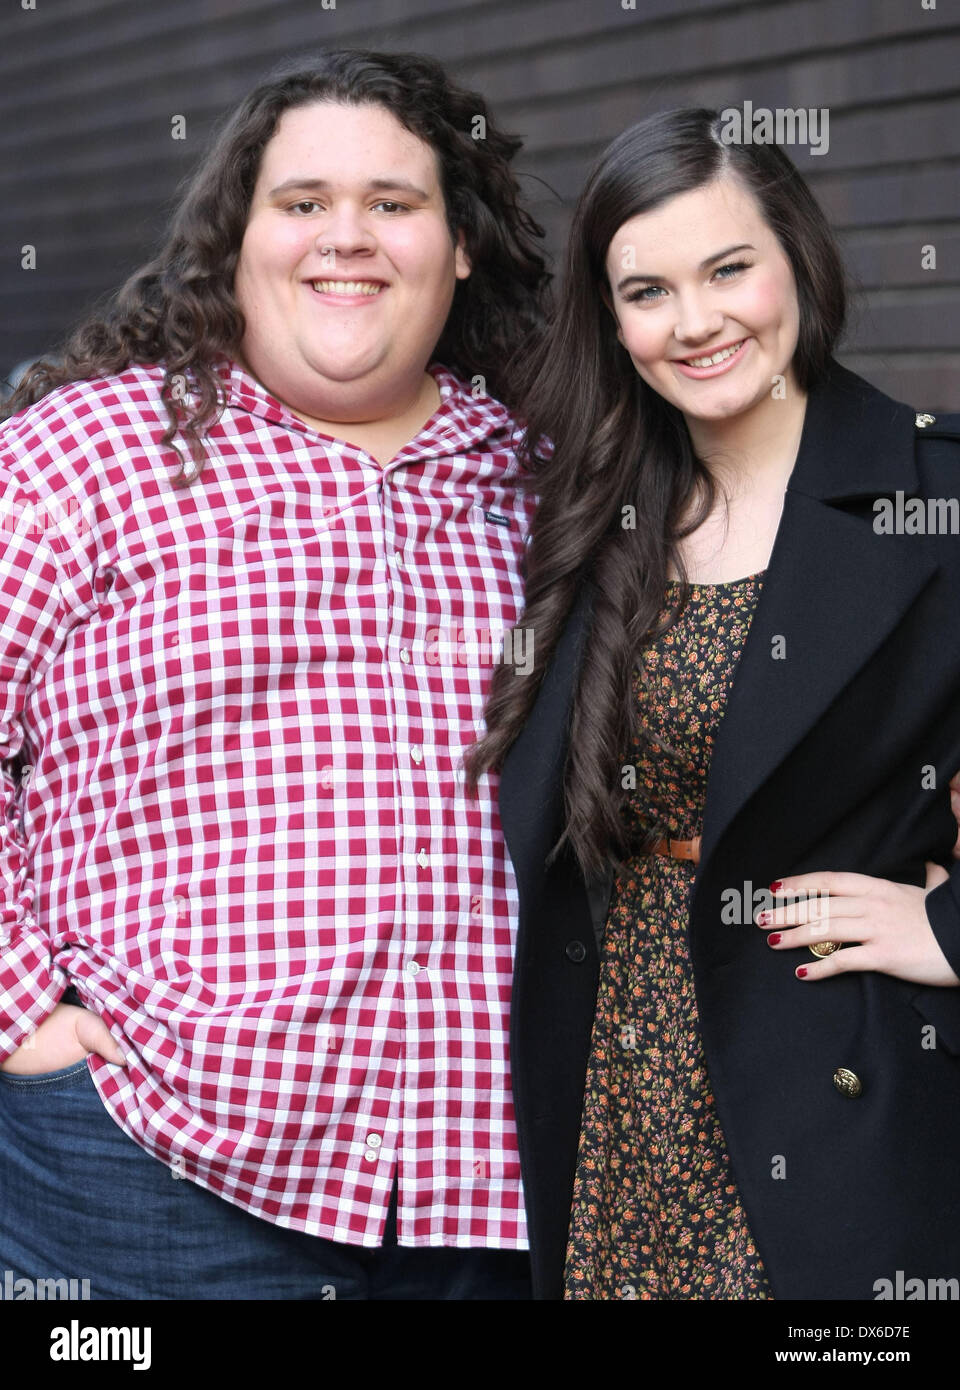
{"x": 345, "y": 287}
{"x": 717, "y": 356}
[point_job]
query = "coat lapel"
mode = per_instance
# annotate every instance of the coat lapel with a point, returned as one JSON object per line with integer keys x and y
{"x": 531, "y": 780}
{"x": 833, "y": 592}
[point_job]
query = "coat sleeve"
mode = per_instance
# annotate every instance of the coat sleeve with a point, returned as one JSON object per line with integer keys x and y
{"x": 943, "y": 903}
{"x": 943, "y": 914}
{"x": 31, "y": 620}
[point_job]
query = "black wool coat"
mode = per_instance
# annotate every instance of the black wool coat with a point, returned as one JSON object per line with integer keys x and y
{"x": 835, "y": 756}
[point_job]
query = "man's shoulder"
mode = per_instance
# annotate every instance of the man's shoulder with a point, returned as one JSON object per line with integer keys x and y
{"x": 73, "y": 416}
{"x": 91, "y": 399}
{"x": 471, "y": 406}
{"x": 481, "y": 422}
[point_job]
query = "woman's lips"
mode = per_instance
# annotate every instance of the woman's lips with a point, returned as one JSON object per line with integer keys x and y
{"x": 717, "y": 368}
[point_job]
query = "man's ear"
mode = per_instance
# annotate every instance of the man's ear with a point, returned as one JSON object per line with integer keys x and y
{"x": 461, "y": 259}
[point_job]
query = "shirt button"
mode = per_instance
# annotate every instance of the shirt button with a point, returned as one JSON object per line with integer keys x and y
{"x": 423, "y": 859}
{"x": 416, "y": 753}
{"x": 374, "y": 1141}
{"x": 575, "y": 951}
{"x": 371, "y": 1155}
{"x": 398, "y": 558}
{"x": 404, "y": 656}
{"x": 413, "y": 968}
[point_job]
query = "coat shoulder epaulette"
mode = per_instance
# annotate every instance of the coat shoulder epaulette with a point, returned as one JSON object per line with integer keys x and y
{"x": 940, "y": 426}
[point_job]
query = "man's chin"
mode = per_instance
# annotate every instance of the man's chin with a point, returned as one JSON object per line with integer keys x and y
{"x": 347, "y": 372}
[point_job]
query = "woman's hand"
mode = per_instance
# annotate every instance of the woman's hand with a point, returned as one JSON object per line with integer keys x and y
{"x": 885, "y": 922}
{"x": 68, "y": 1035}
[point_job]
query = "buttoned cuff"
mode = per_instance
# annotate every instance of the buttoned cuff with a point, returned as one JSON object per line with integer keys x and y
{"x": 30, "y": 990}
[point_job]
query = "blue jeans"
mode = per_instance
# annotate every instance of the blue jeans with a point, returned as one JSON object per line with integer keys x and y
{"x": 79, "y": 1200}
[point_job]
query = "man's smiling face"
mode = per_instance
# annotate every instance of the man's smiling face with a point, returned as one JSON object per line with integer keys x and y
{"x": 347, "y": 268}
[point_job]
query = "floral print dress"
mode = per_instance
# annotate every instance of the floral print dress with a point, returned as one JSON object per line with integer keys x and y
{"x": 656, "y": 1213}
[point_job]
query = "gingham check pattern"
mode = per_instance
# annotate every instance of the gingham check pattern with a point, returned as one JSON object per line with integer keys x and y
{"x": 231, "y": 720}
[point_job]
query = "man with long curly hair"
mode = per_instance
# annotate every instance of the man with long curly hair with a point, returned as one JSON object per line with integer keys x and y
{"x": 254, "y": 934}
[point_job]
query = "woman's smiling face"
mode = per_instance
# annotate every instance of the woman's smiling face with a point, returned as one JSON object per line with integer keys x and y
{"x": 702, "y": 275}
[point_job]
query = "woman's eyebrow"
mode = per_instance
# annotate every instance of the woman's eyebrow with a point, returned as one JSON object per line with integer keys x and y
{"x": 704, "y": 265}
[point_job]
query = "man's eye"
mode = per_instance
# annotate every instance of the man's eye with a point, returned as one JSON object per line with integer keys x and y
{"x": 304, "y": 203}
{"x": 390, "y": 205}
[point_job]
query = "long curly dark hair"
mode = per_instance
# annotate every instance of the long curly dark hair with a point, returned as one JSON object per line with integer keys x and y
{"x": 616, "y": 442}
{"x": 179, "y": 309}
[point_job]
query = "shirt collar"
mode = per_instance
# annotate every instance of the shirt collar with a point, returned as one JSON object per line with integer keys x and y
{"x": 462, "y": 420}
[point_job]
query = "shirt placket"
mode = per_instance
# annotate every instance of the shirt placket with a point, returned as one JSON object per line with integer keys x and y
{"x": 417, "y": 992}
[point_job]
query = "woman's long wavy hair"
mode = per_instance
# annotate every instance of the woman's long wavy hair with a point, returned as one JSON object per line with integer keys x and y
{"x": 617, "y": 443}
{"x": 180, "y": 309}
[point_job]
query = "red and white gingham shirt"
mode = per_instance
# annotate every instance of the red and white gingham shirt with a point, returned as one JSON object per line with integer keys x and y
{"x": 231, "y": 722}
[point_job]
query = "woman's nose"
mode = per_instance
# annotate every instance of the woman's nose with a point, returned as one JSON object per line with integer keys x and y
{"x": 696, "y": 322}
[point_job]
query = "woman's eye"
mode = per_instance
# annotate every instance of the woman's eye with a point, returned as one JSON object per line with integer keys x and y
{"x": 733, "y": 267}
{"x": 649, "y": 294}
{"x": 644, "y": 294}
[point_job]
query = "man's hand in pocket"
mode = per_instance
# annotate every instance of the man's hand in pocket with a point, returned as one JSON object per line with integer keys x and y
{"x": 67, "y": 1036}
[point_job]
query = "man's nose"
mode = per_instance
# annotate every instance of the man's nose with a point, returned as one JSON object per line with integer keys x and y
{"x": 345, "y": 230}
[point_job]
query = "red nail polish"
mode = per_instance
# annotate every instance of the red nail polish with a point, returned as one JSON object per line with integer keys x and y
{"x": 772, "y": 940}
{"x": 777, "y": 883}
{"x": 802, "y": 972}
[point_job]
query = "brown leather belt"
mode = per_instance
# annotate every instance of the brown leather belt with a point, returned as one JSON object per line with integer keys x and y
{"x": 679, "y": 849}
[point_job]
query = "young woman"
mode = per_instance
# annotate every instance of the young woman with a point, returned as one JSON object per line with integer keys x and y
{"x": 745, "y": 699}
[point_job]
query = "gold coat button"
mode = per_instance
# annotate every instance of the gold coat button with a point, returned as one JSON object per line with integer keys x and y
{"x": 847, "y": 1082}
{"x": 824, "y": 948}
{"x": 922, "y": 421}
